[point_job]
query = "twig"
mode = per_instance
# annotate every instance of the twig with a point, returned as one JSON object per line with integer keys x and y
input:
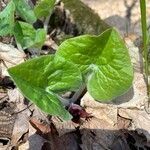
{"x": 22, "y": 109}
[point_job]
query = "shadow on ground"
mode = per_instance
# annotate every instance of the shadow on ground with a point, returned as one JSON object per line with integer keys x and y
{"x": 90, "y": 139}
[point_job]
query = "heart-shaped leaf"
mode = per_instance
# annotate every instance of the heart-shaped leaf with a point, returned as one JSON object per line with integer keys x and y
{"x": 62, "y": 76}
{"x": 36, "y": 75}
{"x": 7, "y": 20}
{"x": 44, "y": 8}
{"x": 27, "y": 36}
{"x": 25, "y": 11}
{"x": 104, "y": 62}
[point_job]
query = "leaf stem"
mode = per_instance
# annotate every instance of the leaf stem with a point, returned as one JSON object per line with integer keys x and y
{"x": 78, "y": 94}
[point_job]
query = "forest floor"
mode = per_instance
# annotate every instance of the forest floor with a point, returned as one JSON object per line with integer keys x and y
{"x": 121, "y": 125}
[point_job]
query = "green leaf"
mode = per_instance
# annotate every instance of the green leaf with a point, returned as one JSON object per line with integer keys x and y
{"x": 104, "y": 62}
{"x": 62, "y": 76}
{"x": 30, "y": 79}
{"x": 36, "y": 75}
{"x": 7, "y": 20}
{"x": 44, "y": 8}
{"x": 27, "y": 36}
{"x": 25, "y": 11}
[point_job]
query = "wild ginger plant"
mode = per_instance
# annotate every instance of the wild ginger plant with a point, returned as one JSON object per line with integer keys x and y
{"x": 101, "y": 63}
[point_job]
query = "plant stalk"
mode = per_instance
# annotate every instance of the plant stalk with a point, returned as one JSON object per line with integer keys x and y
{"x": 145, "y": 42}
{"x": 78, "y": 94}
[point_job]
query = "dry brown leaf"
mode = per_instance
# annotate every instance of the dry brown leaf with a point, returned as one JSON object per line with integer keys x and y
{"x": 10, "y": 57}
{"x": 39, "y": 126}
{"x": 99, "y": 131}
{"x": 140, "y": 120}
{"x": 64, "y": 127}
{"x": 34, "y": 142}
{"x": 21, "y": 127}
